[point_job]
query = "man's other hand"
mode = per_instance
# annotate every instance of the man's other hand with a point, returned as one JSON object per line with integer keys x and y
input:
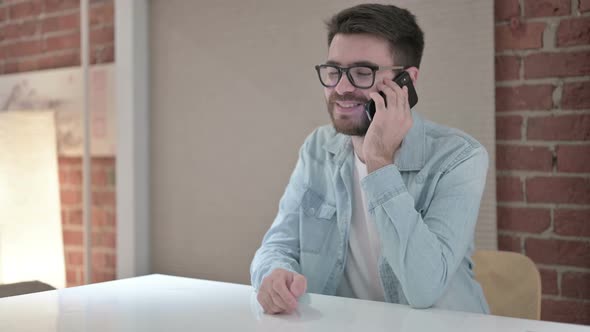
{"x": 280, "y": 290}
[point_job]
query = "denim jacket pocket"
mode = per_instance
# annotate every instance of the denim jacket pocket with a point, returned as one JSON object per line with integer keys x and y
{"x": 318, "y": 222}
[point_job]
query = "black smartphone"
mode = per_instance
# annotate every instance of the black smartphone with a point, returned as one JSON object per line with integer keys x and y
{"x": 402, "y": 79}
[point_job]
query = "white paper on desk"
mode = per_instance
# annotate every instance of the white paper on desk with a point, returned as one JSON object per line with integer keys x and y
{"x": 31, "y": 244}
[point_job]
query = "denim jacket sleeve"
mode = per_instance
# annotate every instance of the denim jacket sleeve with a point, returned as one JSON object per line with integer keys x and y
{"x": 425, "y": 250}
{"x": 280, "y": 245}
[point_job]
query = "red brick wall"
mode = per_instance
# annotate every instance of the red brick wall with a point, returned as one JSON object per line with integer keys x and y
{"x": 543, "y": 146}
{"x": 45, "y": 34}
{"x": 103, "y": 218}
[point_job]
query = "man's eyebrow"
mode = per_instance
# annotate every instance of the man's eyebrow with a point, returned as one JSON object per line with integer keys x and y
{"x": 358, "y": 63}
{"x": 365, "y": 63}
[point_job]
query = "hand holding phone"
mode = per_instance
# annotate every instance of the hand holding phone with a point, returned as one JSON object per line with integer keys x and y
{"x": 402, "y": 79}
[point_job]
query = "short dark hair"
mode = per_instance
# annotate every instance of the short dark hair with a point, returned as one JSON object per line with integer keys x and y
{"x": 396, "y": 25}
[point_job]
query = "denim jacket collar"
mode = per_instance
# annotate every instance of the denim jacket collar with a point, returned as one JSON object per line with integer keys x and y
{"x": 411, "y": 155}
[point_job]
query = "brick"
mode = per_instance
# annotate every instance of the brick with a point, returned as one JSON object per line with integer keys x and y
{"x": 70, "y": 177}
{"x": 111, "y": 218}
{"x": 99, "y": 178}
{"x": 584, "y": 6}
{"x": 529, "y": 220}
{"x": 509, "y": 189}
{"x": 19, "y": 29}
{"x": 75, "y": 217}
{"x": 515, "y": 157}
{"x": 576, "y": 95}
{"x": 505, "y": 9}
{"x": 102, "y": 35}
{"x": 73, "y": 238}
{"x": 81, "y": 276}
{"x": 25, "y": 9}
{"x": 8, "y": 32}
{"x": 565, "y": 311}
{"x": 103, "y": 261}
{"x": 61, "y": 23}
{"x": 103, "y": 198}
{"x": 102, "y": 14}
{"x": 558, "y": 252}
{"x": 72, "y": 277}
{"x": 576, "y": 285}
{"x": 103, "y": 276}
{"x": 107, "y": 162}
{"x": 106, "y": 239}
{"x": 69, "y": 161}
{"x": 27, "y": 65}
{"x": 573, "y": 158}
{"x": 63, "y": 176}
{"x": 60, "y": 60}
{"x": 559, "y": 128}
{"x": 544, "y": 8}
{"x": 71, "y": 197}
{"x": 507, "y": 67}
{"x": 508, "y": 127}
{"x": 23, "y": 48}
{"x": 548, "y": 281}
{"x": 98, "y": 217}
{"x": 557, "y": 64}
{"x": 74, "y": 258}
{"x": 575, "y": 31}
{"x": 10, "y": 67}
{"x": 523, "y": 36}
{"x": 3, "y": 14}
{"x": 567, "y": 190}
{"x": 524, "y": 97}
{"x": 572, "y": 222}
{"x": 509, "y": 243}
{"x": 59, "y": 5}
{"x": 65, "y": 42}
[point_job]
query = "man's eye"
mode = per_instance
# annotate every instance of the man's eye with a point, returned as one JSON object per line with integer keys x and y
{"x": 363, "y": 72}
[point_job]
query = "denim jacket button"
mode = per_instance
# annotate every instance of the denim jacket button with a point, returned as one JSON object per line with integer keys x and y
{"x": 312, "y": 211}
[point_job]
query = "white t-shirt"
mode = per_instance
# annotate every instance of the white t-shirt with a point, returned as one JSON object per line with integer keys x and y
{"x": 361, "y": 273}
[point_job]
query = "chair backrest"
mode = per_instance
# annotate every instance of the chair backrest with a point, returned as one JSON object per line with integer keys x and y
{"x": 511, "y": 283}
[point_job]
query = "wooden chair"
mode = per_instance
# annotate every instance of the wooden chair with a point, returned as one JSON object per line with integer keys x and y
{"x": 510, "y": 282}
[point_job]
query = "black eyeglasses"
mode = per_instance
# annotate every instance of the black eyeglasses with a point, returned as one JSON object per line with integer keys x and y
{"x": 362, "y": 77}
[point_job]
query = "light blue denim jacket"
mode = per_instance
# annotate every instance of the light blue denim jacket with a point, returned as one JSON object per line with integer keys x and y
{"x": 425, "y": 206}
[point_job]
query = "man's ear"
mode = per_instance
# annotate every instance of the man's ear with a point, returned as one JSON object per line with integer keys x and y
{"x": 413, "y": 71}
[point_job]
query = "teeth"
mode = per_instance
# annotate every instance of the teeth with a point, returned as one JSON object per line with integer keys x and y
{"x": 348, "y": 105}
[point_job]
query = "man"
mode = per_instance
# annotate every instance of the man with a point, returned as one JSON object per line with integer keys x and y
{"x": 381, "y": 210}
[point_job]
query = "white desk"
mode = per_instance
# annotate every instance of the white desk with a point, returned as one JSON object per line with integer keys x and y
{"x": 165, "y": 303}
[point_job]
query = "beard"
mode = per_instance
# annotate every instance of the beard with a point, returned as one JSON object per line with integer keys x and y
{"x": 353, "y": 124}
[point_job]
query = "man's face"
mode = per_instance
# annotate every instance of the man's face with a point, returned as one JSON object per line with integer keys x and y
{"x": 346, "y": 102}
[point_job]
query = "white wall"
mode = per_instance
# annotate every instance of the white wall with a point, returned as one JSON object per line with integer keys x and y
{"x": 234, "y": 94}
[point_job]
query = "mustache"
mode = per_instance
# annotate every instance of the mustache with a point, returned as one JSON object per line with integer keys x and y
{"x": 347, "y": 97}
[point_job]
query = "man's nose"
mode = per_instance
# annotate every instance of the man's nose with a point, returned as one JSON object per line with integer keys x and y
{"x": 344, "y": 85}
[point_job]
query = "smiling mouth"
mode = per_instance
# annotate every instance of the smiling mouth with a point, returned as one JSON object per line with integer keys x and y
{"x": 349, "y": 104}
